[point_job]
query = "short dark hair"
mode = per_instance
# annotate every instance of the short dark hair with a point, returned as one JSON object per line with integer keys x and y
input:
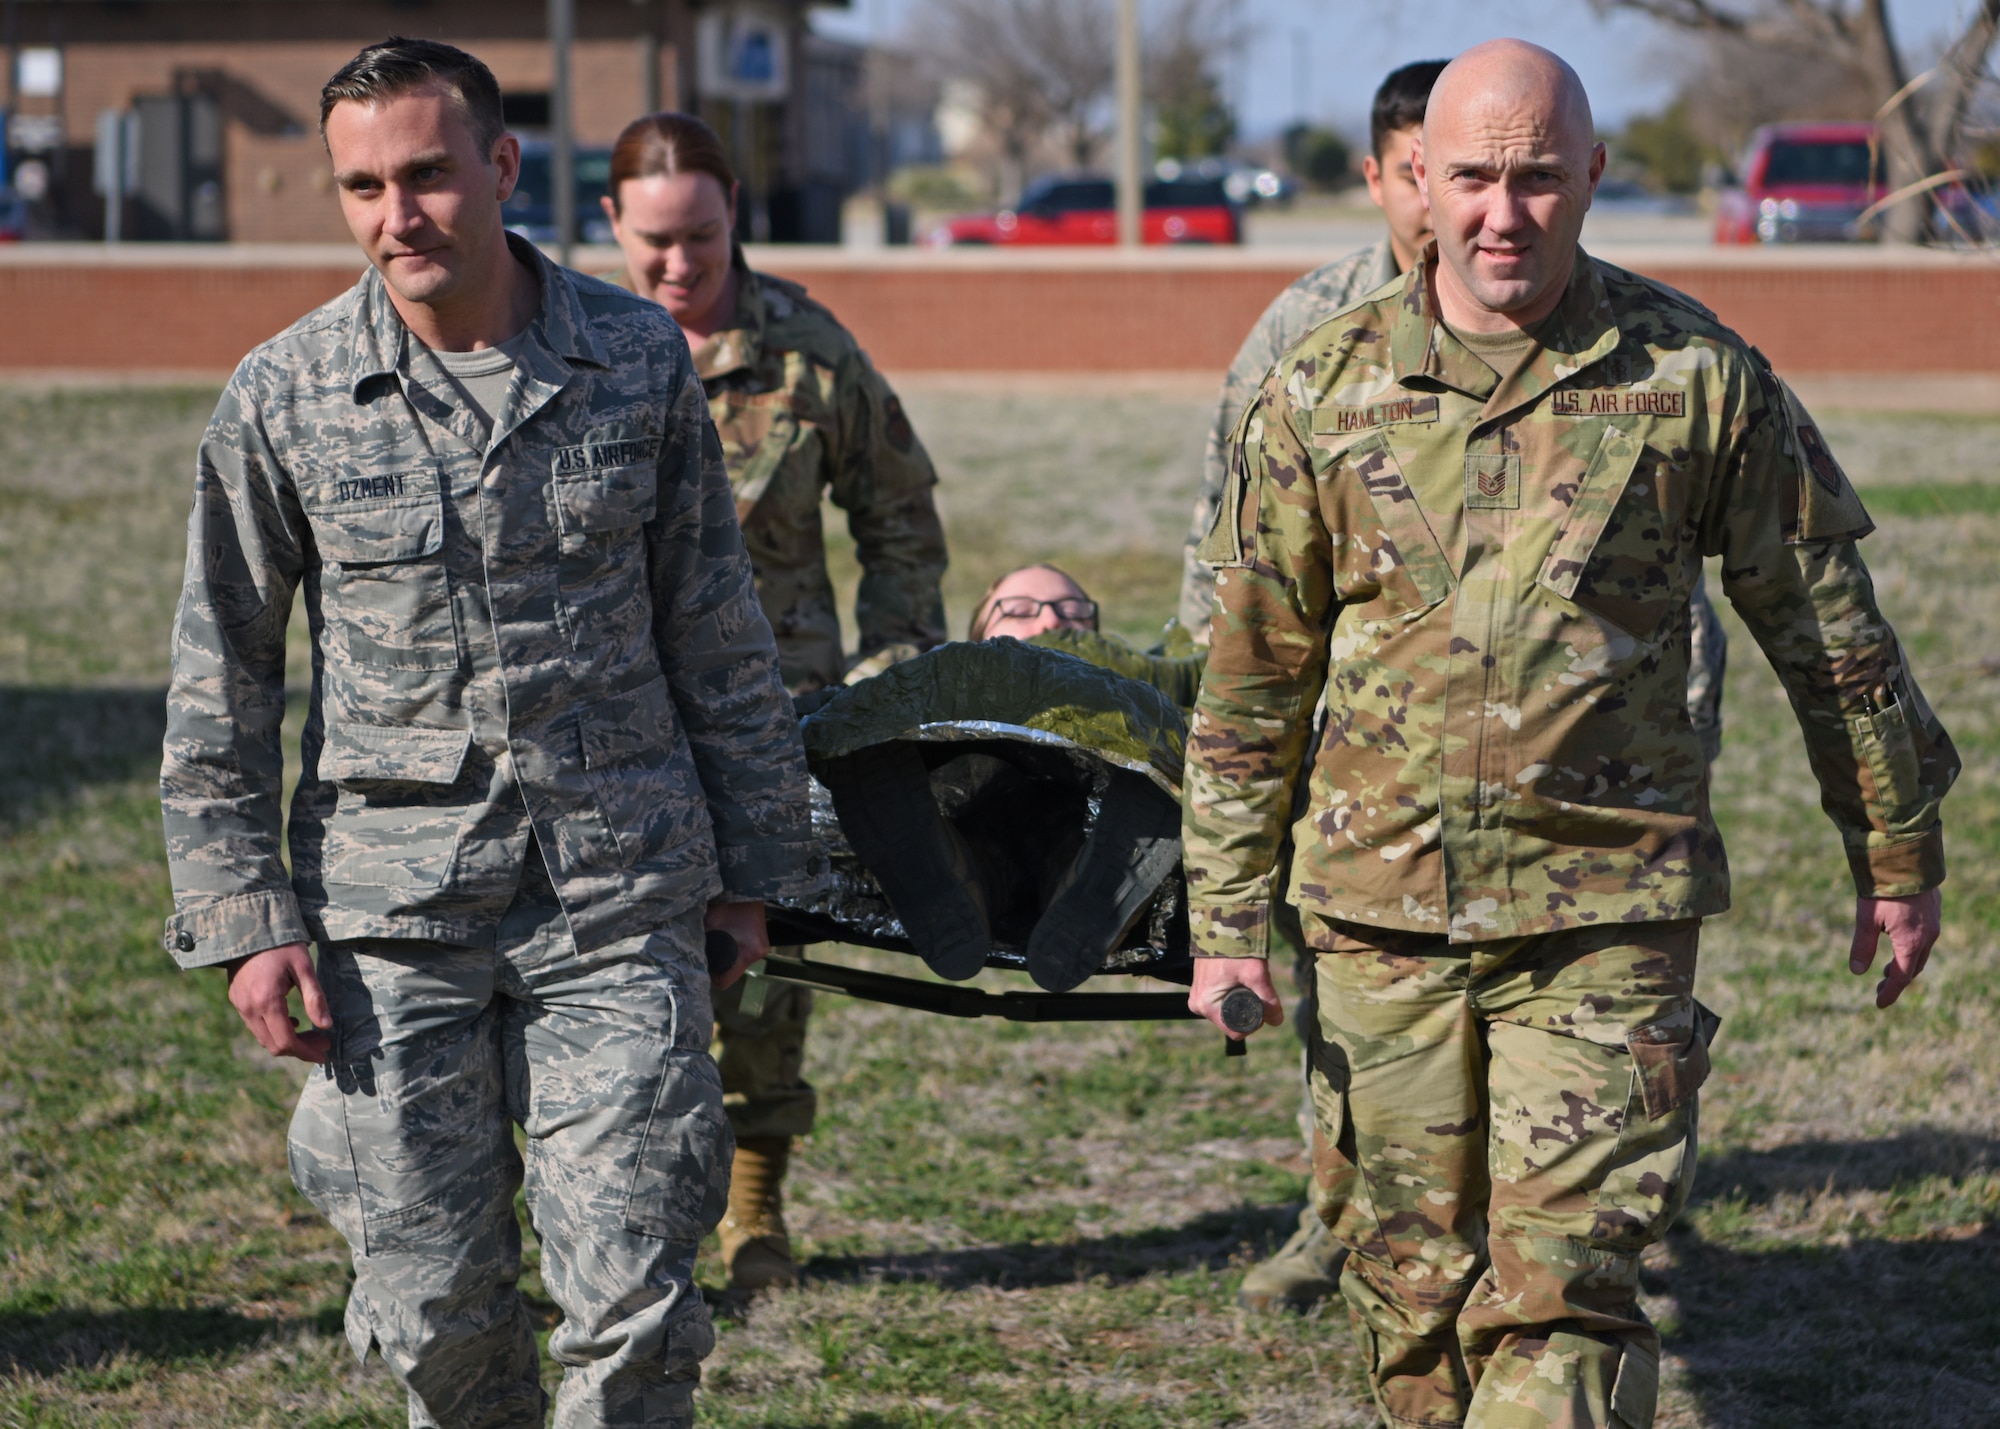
{"x": 396, "y": 66}
{"x": 1400, "y": 102}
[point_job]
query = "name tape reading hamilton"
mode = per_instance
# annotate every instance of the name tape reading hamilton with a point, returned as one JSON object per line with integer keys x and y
{"x": 1394, "y": 412}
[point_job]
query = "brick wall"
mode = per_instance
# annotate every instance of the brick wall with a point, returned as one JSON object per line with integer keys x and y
{"x": 192, "y": 310}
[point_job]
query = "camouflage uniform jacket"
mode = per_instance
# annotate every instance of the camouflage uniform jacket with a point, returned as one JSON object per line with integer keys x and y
{"x": 1308, "y": 302}
{"x": 548, "y": 626}
{"x": 1488, "y": 577}
{"x": 802, "y": 413}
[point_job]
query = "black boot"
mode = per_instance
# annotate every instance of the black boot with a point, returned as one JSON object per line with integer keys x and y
{"x": 882, "y": 795}
{"x": 1134, "y": 844}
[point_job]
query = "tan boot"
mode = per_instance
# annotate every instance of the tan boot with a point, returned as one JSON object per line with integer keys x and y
{"x": 1304, "y": 1272}
{"x": 756, "y": 1251}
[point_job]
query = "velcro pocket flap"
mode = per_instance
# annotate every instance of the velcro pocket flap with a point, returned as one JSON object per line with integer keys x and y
{"x": 626, "y": 727}
{"x": 393, "y": 754}
{"x": 1670, "y": 1058}
{"x": 690, "y": 1337}
{"x": 1886, "y": 751}
{"x": 1590, "y": 510}
{"x": 610, "y": 499}
{"x": 1223, "y": 543}
{"x": 373, "y": 530}
{"x": 1411, "y": 544}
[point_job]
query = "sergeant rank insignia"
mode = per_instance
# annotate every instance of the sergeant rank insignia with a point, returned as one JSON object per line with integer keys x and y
{"x": 1493, "y": 482}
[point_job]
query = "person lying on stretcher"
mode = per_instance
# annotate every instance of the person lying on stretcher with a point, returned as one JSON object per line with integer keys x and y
{"x": 1015, "y": 807}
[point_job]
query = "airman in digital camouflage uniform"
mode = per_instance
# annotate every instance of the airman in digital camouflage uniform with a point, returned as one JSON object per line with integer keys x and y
{"x": 547, "y": 744}
{"x": 1469, "y": 514}
{"x": 1307, "y": 1268}
{"x": 803, "y": 415}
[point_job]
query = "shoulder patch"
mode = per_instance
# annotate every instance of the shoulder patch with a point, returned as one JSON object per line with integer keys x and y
{"x": 1829, "y": 508}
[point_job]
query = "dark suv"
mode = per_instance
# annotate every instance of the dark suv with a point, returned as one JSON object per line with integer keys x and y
{"x": 528, "y": 211}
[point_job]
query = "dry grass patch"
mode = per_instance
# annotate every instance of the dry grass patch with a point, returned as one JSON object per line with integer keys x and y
{"x": 1005, "y": 1224}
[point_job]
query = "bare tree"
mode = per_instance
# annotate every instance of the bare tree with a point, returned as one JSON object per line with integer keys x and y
{"x": 1923, "y": 116}
{"x": 1038, "y": 66}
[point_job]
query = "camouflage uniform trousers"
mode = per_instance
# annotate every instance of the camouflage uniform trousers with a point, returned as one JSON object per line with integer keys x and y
{"x": 405, "y": 1141}
{"x": 1502, "y": 1128}
{"x": 762, "y": 1057}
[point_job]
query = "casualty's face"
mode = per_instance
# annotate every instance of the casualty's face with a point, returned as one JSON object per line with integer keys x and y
{"x": 419, "y": 194}
{"x": 675, "y": 231}
{"x": 1036, "y": 599}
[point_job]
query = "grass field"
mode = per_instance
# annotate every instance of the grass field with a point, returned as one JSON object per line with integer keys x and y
{"x": 1007, "y": 1225}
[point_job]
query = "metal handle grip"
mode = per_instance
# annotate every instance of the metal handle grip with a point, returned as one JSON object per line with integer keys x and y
{"x": 1242, "y": 1011}
{"x": 720, "y": 949}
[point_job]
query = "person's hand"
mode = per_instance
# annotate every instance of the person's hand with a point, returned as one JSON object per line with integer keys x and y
{"x": 1912, "y": 925}
{"x": 745, "y": 923}
{"x": 260, "y": 989}
{"x": 1215, "y": 978}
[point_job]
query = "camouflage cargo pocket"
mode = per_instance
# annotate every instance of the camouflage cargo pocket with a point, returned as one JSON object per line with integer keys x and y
{"x": 1635, "y": 1389}
{"x": 1886, "y": 748}
{"x": 1339, "y": 1190}
{"x": 320, "y": 1157}
{"x": 1651, "y": 1170}
{"x": 386, "y": 594}
{"x": 690, "y": 1339}
{"x": 680, "y": 1186}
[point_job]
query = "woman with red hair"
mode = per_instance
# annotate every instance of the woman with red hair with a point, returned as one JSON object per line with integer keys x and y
{"x": 802, "y": 415}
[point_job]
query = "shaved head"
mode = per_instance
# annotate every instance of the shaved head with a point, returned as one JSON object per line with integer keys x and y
{"x": 1508, "y": 161}
{"x": 1513, "y": 80}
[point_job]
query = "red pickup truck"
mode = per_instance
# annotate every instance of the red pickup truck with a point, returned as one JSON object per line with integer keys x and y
{"x": 1080, "y": 208}
{"x": 1804, "y": 183}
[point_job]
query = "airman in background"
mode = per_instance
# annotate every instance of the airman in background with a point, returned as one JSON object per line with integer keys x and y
{"x": 1469, "y": 519}
{"x": 802, "y": 415}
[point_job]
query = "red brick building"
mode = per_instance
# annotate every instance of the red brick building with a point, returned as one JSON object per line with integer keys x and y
{"x": 231, "y": 87}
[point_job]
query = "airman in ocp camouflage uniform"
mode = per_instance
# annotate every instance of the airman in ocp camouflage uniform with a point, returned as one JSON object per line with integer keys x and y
{"x": 1507, "y": 845}
{"x": 802, "y": 413}
{"x": 1307, "y": 1267}
{"x": 803, "y": 416}
{"x": 546, "y": 739}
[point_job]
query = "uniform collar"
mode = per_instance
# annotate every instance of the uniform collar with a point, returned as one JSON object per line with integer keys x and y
{"x": 740, "y": 342}
{"x": 1382, "y": 271}
{"x": 1425, "y": 354}
{"x": 378, "y": 338}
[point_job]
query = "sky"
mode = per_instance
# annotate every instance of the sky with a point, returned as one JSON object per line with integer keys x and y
{"x": 1323, "y": 58}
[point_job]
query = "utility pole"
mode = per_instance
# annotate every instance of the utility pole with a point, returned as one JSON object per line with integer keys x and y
{"x": 1301, "y": 75}
{"x": 649, "y": 54}
{"x": 1131, "y": 187}
{"x": 562, "y": 156}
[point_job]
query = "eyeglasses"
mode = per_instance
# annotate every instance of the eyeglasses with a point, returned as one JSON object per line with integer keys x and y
{"x": 1026, "y": 607}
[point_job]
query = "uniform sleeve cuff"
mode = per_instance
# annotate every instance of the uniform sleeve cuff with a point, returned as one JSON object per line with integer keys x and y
{"x": 1229, "y": 930}
{"x": 763, "y": 873}
{"x": 1898, "y": 870}
{"x": 235, "y": 927}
